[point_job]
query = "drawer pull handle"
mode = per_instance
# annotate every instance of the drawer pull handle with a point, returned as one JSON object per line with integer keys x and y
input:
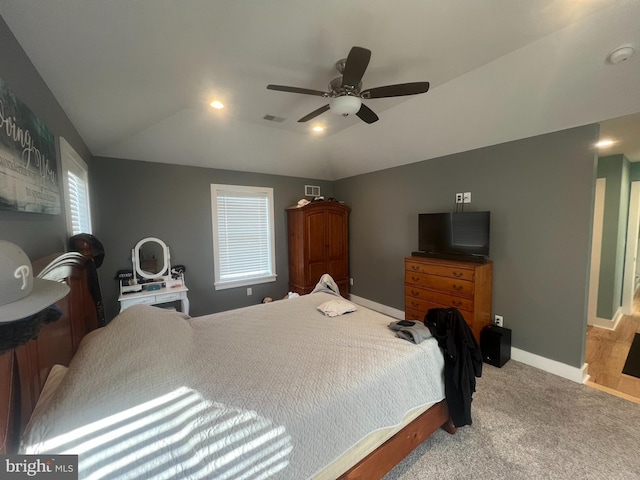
{"x": 415, "y": 293}
{"x": 415, "y": 268}
{"x": 415, "y": 279}
{"x": 458, "y": 274}
{"x": 457, "y": 287}
{"x": 456, "y": 303}
{"x": 415, "y": 304}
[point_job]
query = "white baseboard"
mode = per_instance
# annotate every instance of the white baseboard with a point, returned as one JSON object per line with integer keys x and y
{"x": 575, "y": 374}
{"x": 378, "y": 307}
{"x": 609, "y": 324}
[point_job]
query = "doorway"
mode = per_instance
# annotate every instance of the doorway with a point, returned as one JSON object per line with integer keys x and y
{"x": 629, "y": 283}
{"x": 607, "y": 346}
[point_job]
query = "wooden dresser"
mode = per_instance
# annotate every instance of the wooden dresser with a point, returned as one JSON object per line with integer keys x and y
{"x": 318, "y": 243}
{"x": 435, "y": 283}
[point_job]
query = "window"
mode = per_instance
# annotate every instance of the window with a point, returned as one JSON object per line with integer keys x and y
{"x": 76, "y": 190}
{"x": 243, "y": 237}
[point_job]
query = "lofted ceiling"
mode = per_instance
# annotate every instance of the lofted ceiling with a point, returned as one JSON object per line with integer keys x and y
{"x": 136, "y": 77}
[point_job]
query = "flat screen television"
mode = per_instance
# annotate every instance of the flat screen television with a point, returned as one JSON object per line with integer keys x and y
{"x": 463, "y": 235}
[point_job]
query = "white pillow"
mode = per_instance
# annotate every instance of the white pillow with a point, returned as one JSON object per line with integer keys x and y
{"x": 333, "y": 308}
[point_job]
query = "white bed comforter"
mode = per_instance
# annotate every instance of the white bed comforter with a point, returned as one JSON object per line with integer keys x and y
{"x": 273, "y": 391}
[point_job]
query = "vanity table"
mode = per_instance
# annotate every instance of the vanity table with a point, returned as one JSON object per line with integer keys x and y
{"x": 155, "y": 297}
{"x": 154, "y": 281}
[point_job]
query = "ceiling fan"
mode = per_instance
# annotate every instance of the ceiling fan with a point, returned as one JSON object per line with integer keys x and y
{"x": 346, "y": 91}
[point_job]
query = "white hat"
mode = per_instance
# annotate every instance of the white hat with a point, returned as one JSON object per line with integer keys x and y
{"x": 21, "y": 295}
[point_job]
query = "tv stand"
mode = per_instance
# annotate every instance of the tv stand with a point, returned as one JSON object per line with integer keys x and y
{"x": 452, "y": 256}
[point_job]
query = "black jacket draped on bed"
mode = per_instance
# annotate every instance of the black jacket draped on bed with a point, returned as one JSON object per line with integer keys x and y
{"x": 462, "y": 360}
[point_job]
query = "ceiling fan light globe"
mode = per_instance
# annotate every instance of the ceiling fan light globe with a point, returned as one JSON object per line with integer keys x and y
{"x": 345, "y": 105}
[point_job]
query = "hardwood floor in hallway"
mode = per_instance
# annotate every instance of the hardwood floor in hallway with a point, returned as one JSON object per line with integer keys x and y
{"x": 606, "y": 354}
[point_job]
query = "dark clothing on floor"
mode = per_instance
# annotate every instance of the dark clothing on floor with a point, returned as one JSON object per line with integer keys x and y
{"x": 462, "y": 360}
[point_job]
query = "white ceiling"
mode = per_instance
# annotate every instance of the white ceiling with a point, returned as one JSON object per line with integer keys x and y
{"x": 135, "y": 77}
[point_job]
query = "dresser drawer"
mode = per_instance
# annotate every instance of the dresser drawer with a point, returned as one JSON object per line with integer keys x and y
{"x": 445, "y": 284}
{"x": 411, "y": 314}
{"x": 418, "y": 315}
{"x": 440, "y": 270}
{"x": 168, "y": 297}
{"x": 141, "y": 301}
{"x": 414, "y": 295}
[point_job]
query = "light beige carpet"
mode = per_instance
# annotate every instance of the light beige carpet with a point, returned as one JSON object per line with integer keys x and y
{"x": 529, "y": 424}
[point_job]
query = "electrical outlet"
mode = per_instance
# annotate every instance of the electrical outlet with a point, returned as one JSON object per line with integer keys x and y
{"x": 498, "y": 320}
{"x": 249, "y": 291}
{"x": 459, "y": 197}
{"x": 466, "y": 197}
{"x": 351, "y": 282}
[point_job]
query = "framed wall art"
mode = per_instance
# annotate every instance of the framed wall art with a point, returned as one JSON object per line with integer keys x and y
{"x": 28, "y": 161}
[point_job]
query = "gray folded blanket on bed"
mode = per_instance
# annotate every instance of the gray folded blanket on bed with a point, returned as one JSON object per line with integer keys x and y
{"x": 416, "y": 333}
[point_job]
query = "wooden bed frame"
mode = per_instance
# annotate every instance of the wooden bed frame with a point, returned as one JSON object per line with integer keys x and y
{"x": 24, "y": 370}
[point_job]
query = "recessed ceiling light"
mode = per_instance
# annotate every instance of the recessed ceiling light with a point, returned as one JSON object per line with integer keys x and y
{"x": 216, "y": 104}
{"x": 318, "y": 128}
{"x": 604, "y": 143}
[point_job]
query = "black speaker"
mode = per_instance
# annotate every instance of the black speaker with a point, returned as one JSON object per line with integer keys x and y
{"x": 495, "y": 343}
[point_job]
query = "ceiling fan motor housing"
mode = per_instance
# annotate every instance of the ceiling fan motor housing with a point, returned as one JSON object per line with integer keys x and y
{"x": 336, "y": 88}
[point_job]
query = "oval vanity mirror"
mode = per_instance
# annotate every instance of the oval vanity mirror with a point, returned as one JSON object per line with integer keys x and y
{"x": 151, "y": 258}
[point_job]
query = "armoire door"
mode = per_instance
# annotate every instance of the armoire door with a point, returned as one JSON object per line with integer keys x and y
{"x": 337, "y": 245}
{"x": 316, "y": 240}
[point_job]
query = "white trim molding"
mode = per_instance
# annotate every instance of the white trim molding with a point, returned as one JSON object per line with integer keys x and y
{"x": 631, "y": 250}
{"x": 575, "y": 374}
{"x": 606, "y": 323}
{"x": 596, "y": 250}
{"x": 244, "y": 249}
{"x": 378, "y": 307}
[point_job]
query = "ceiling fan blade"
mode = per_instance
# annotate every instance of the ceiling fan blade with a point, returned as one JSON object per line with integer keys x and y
{"x": 305, "y": 91}
{"x": 356, "y": 64}
{"x": 314, "y": 114}
{"x": 366, "y": 114}
{"x": 396, "y": 90}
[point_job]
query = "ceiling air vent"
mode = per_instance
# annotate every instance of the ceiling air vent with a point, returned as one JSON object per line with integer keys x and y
{"x": 273, "y": 118}
{"x": 311, "y": 191}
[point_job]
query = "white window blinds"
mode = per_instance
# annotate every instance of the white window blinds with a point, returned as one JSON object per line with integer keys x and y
{"x": 76, "y": 190}
{"x": 78, "y": 201}
{"x": 243, "y": 235}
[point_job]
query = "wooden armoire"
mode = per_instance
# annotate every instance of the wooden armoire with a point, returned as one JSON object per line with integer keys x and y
{"x": 318, "y": 244}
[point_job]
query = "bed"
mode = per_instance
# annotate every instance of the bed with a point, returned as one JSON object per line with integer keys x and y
{"x": 276, "y": 390}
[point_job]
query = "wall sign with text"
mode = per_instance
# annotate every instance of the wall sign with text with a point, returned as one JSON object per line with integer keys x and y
{"x": 28, "y": 162}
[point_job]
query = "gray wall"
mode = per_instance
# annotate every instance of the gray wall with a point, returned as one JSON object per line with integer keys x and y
{"x": 37, "y": 234}
{"x": 540, "y": 194}
{"x": 616, "y": 170}
{"x": 136, "y": 199}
